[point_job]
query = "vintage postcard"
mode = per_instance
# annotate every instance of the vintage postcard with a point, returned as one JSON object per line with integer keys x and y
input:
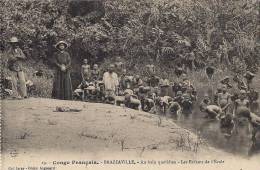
{"x": 130, "y": 84}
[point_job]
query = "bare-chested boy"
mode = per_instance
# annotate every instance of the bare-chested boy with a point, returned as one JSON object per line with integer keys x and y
{"x": 224, "y": 99}
{"x": 241, "y": 103}
{"x": 85, "y": 71}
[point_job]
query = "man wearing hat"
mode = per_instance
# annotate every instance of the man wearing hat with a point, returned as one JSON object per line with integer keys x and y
{"x": 62, "y": 88}
{"x": 15, "y": 57}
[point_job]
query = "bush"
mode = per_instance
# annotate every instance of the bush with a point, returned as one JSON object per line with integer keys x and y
{"x": 135, "y": 30}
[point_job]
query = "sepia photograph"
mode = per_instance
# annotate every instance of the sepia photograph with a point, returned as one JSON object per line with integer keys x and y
{"x": 130, "y": 84}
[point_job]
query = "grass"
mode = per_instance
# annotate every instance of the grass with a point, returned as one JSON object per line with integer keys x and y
{"x": 43, "y": 84}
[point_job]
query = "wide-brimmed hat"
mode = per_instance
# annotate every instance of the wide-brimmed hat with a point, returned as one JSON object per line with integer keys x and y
{"x": 61, "y": 42}
{"x": 13, "y": 40}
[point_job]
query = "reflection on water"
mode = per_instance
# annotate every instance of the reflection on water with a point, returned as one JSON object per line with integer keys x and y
{"x": 234, "y": 141}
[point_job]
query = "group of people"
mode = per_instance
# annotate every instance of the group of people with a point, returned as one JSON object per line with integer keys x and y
{"x": 114, "y": 85}
{"x": 15, "y": 83}
{"x": 230, "y": 98}
{"x": 149, "y": 93}
{"x": 234, "y": 104}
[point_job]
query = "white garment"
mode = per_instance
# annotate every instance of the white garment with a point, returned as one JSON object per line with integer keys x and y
{"x": 111, "y": 81}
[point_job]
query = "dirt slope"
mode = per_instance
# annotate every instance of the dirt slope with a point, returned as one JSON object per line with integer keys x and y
{"x": 33, "y": 132}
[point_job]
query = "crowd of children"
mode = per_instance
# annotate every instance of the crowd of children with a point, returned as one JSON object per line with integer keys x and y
{"x": 230, "y": 103}
{"x": 149, "y": 93}
{"x": 234, "y": 104}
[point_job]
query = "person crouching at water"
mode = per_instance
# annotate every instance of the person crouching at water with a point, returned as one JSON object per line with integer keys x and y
{"x": 15, "y": 56}
{"x": 254, "y": 120}
{"x": 62, "y": 87}
{"x": 212, "y": 111}
{"x": 111, "y": 83}
{"x": 205, "y": 102}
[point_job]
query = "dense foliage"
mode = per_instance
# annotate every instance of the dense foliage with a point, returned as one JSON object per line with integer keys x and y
{"x": 136, "y": 30}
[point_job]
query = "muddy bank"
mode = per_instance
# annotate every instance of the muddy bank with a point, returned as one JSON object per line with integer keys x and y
{"x": 32, "y": 130}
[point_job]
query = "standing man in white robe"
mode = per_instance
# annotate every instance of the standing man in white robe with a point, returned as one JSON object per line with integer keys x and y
{"x": 111, "y": 83}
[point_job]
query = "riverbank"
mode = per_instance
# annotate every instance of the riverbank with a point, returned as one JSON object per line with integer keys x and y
{"x": 34, "y": 132}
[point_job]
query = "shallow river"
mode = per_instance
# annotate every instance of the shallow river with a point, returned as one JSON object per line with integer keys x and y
{"x": 237, "y": 143}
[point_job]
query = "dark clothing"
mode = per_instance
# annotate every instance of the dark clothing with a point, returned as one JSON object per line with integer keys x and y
{"x": 95, "y": 75}
{"x": 153, "y": 81}
{"x": 210, "y": 71}
{"x": 174, "y": 107}
{"x": 62, "y": 88}
{"x": 15, "y": 57}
